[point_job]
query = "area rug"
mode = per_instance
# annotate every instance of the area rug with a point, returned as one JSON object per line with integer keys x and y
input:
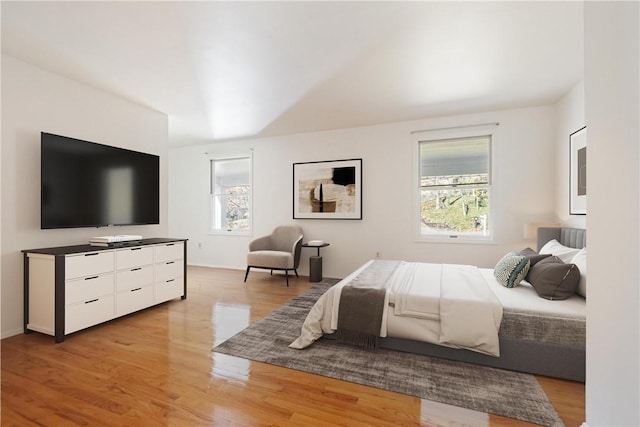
{"x": 495, "y": 391}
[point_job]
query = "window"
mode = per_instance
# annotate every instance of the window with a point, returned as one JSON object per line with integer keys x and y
{"x": 231, "y": 195}
{"x": 454, "y": 187}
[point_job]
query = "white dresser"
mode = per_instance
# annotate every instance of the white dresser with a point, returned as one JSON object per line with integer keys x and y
{"x": 70, "y": 288}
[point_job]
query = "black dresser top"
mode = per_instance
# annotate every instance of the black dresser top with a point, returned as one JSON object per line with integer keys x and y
{"x": 76, "y": 249}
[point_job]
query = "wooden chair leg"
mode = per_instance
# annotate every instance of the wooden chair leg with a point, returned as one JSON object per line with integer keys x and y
{"x": 247, "y": 273}
{"x": 286, "y": 273}
{"x": 296, "y": 271}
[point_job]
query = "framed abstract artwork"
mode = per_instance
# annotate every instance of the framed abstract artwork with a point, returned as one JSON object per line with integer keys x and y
{"x": 327, "y": 189}
{"x": 578, "y": 172}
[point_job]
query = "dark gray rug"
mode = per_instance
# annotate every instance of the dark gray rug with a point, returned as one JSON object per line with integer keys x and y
{"x": 490, "y": 390}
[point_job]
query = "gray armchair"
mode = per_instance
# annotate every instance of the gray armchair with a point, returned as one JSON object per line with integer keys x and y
{"x": 278, "y": 251}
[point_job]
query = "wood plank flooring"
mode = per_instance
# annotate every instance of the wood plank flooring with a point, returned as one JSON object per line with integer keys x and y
{"x": 157, "y": 368}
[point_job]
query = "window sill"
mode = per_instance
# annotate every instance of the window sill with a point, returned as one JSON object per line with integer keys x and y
{"x": 230, "y": 233}
{"x": 459, "y": 239}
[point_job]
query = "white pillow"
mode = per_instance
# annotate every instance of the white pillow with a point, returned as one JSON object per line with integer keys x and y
{"x": 580, "y": 260}
{"x": 554, "y": 247}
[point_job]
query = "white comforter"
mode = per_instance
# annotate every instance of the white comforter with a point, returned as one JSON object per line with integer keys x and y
{"x": 457, "y": 296}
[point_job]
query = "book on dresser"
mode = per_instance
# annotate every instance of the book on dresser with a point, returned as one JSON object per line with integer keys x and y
{"x": 116, "y": 240}
{"x": 70, "y": 288}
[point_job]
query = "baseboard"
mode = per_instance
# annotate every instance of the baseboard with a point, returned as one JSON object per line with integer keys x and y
{"x": 234, "y": 267}
{"x": 226, "y": 267}
{"x": 7, "y": 334}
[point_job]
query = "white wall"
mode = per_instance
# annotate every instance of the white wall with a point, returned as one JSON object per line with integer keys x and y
{"x": 34, "y": 100}
{"x": 612, "y": 92}
{"x": 1, "y": 204}
{"x": 523, "y": 150}
{"x": 570, "y": 118}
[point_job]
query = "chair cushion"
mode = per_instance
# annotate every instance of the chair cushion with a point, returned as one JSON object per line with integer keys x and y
{"x": 270, "y": 259}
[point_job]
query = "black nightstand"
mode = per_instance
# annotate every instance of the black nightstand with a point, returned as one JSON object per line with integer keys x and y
{"x": 315, "y": 262}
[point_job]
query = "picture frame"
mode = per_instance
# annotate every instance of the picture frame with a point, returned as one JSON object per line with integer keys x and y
{"x": 578, "y": 172}
{"x": 330, "y": 189}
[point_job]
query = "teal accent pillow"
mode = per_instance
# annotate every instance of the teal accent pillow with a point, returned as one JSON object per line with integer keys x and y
{"x": 511, "y": 269}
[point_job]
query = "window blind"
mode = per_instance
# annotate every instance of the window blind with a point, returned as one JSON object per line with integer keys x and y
{"x": 455, "y": 157}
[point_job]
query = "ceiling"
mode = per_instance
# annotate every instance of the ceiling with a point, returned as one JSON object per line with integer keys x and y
{"x": 226, "y": 70}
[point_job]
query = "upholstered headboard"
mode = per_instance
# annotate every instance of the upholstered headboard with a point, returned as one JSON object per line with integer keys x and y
{"x": 567, "y": 236}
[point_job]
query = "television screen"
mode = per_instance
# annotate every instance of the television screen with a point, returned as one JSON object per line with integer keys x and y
{"x": 84, "y": 184}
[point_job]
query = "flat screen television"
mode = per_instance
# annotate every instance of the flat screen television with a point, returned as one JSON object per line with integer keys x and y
{"x": 85, "y": 184}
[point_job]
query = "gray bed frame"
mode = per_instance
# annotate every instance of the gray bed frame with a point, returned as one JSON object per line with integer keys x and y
{"x": 516, "y": 355}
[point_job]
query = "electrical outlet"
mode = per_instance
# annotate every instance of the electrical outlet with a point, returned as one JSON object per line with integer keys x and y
{"x": 199, "y": 245}
{"x": 378, "y": 254}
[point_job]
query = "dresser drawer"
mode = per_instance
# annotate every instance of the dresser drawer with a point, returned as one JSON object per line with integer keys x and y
{"x": 134, "y": 300}
{"x": 85, "y": 314}
{"x": 88, "y": 264}
{"x": 134, "y": 257}
{"x": 164, "y": 291}
{"x": 134, "y": 278}
{"x": 169, "y": 270}
{"x": 169, "y": 251}
{"x": 88, "y": 288}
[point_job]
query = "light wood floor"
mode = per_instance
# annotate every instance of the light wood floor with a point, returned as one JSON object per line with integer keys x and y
{"x": 156, "y": 367}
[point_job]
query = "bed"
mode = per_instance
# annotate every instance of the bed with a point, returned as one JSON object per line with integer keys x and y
{"x": 534, "y": 334}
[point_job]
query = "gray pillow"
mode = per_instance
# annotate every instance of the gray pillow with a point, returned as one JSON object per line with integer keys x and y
{"x": 534, "y": 258}
{"x": 511, "y": 269}
{"x": 553, "y": 279}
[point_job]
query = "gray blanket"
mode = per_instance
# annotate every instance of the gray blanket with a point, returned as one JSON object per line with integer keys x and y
{"x": 362, "y": 305}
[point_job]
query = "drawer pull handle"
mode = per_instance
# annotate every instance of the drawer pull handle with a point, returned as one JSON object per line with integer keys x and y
{"x": 136, "y": 269}
{"x": 93, "y": 300}
{"x": 91, "y": 278}
{"x": 92, "y": 254}
{"x": 171, "y": 280}
{"x": 170, "y": 244}
{"x": 135, "y": 249}
{"x": 170, "y": 262}
{"x": 136, "y": 289}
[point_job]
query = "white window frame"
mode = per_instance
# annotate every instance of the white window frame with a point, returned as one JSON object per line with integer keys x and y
{"x": 212, "y": 196}
{"x": 444, "y": 134}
